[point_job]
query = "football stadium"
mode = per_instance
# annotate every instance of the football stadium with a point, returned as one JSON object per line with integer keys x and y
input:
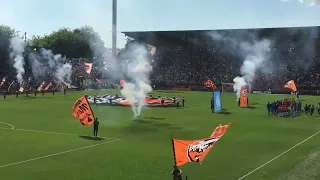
{"x": 197, "y": 104}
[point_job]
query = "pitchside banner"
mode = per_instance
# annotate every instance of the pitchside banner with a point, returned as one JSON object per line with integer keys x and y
{"x": 217, "y": 101}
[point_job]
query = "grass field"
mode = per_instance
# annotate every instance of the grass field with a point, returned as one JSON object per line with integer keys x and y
{"x": 47, "y": 143}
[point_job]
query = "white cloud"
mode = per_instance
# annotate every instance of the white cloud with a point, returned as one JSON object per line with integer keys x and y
{"x": 308, "y": 2}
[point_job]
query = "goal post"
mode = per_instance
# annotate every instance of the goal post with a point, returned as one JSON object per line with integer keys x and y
{"x": 228, "y": 87}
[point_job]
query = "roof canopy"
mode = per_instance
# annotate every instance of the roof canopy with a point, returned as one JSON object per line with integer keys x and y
{"x": 187, "y": 37}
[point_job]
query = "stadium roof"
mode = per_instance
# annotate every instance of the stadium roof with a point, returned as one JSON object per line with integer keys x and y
{"x": 186, "y": 37}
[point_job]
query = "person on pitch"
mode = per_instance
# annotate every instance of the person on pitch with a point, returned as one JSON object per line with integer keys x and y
{"x": 176, "y": 173}
{"x": 95, "y": 127}
{"x": 212, "y": 105}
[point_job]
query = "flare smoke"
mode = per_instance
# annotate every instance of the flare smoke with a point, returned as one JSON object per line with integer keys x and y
{"x": 17, "y": 46}
{"x": 45, "y": 63}
{"x": 254, "y": 52}
{"x": 138, "y": 69}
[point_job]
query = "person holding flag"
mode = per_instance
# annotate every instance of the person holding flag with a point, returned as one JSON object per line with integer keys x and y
{"x": 176, "y": 173}
{"x": 210, "y": 85}
{"x": 95, "y": 127}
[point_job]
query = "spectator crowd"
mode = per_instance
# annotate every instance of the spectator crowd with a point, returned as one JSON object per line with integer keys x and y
{"x": 194, "y": 66}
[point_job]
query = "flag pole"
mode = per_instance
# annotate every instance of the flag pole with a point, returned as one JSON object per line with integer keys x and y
{"x": 174, "y": 153}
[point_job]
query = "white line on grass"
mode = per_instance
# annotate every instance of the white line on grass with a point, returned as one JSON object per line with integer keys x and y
{"x": 279, "y": 155}
{"x": 12, "y": 127}
{"x": 55, "y": 154}
{"x": 48, "y": 132}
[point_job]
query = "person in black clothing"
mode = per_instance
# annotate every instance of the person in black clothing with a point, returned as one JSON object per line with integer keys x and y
{"x": 306, "y": 109}
{"x": 182, "y": 101}
{"x": 42, "y": 91}
{"x": 95, "y": 127}
{"x": 297, "y": 93}
{"x": 269, "y": 108}
{"x": 176, "y": 173}
{"x": 27, "y": 93}
{"x": 35, "y": 93}
{"x": 212, "y": 105}
{"x": 17, "y": 94}
{"x": 53, "y": 91}
{"x": 64, "y": 90}
{"x": 311, "y": 109}
{"x": 4, "y": 94}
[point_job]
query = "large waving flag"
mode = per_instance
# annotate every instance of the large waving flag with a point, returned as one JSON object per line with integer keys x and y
{"x": 88, "y": 67}
{"x": 3, "y": 81}
{"x": 41, "y": 86}
{"x": 210, "y": 84}
{"x": 82, "y": 111}
{"x": 122, "y": 83}
{"x": 291, "y": 85}
{"x": 10, "y": 85}
{"x": 21, "y": 89}
{"x": 196, "y": 150}
{"x": 48, "y": 86}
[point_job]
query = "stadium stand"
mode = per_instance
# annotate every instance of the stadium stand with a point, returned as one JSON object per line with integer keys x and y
{"x": 186, "y": 59}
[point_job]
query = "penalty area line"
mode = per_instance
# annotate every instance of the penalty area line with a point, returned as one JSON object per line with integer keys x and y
{"x": 279, "y": 155}
{"x": 48, "y": 132}
{"x": 56, "y": 154}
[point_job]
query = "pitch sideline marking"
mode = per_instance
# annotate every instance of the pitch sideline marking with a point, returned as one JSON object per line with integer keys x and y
{"x": 55, "y": 154}
{"x": 48, "y": 132}
{"x": 279, "y": 155}
{"x": 12, "y": 127}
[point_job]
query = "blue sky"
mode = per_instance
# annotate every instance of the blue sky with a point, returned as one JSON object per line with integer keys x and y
{"x": 39, "y": 17}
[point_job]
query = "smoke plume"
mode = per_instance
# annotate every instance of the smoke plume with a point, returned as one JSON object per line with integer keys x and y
{"x": 247, "y": 46}
{"x": 46, "y": 64}
{"x": 17, "y": 46}
{"x": 138, "y": 69}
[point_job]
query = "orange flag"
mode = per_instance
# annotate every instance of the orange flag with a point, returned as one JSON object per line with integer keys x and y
{"x": 88, "y": 67}
{"x": 82, "y": 111}
{"x": 291, "y": 85}
{"x": 122, "y": 83}
{"x": 244, "y": 97}
{"x": 41, "y": 86}
{"x": 210, "y": 84}
{"x": 196, "y": 150}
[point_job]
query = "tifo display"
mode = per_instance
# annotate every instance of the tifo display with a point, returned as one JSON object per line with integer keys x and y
{"x": 121, "y": 101}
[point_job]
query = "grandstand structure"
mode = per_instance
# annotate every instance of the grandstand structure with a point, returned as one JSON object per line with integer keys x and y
{"x": 200, "y": 38}
{"x": 180, "y": 51}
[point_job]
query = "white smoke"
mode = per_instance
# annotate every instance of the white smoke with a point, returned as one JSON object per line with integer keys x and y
{"x": 138, "y": 69}
{"x": 17, "y": 46}
{"x": 253, "y": 51}
{"x": 239, "y": 83}
{"x": 136, "y": 94}
{"x": 45, "y": 63}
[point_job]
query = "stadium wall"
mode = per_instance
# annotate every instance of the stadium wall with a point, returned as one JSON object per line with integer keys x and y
{"x": 302, "y": 90}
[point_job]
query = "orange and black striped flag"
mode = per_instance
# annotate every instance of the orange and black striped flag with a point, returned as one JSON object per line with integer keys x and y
{"x": 210, "y": 84}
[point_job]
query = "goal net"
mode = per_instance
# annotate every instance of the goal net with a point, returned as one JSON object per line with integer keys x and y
{"x": 228, "y": 87}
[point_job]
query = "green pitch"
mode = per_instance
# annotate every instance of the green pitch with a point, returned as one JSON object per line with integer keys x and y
{"x": 47, "y": 143}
